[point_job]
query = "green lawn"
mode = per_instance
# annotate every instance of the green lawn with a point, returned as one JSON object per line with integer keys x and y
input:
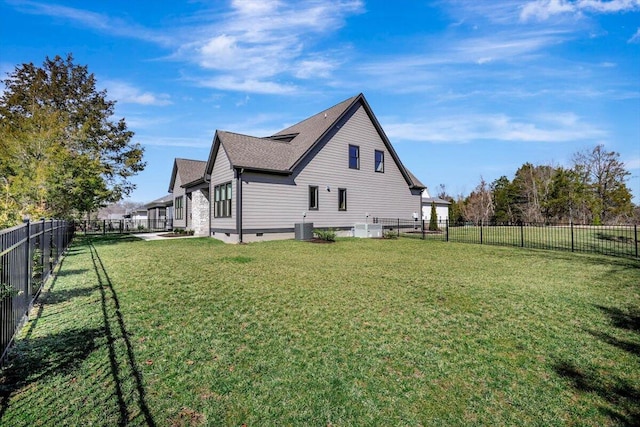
{"x": 358, "y": 332}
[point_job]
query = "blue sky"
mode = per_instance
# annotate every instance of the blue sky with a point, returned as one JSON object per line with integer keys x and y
{"x": 464, "y": 89}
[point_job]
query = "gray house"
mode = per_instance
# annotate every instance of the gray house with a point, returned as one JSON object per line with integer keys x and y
{"x": 334, "y": 169}
{"x": 190, "y": 196}
{"x": 160, "y": 211}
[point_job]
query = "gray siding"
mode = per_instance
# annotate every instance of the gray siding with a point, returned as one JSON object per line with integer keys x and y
{"x": 271, "y": 202}
{"x": 221, "y": 173}
{"x": 177, "y": 192}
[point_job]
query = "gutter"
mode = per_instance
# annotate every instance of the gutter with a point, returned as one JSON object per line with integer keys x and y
{"x": 239, "y": 172}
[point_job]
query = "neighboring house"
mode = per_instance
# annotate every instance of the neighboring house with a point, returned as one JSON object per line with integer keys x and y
{"x": 334, "y": 169}
{"x": 442, "y": 207}
{"x": 160, "y": 212}
{"x": 190, "y": 196}
{"x": 138, "y": 214}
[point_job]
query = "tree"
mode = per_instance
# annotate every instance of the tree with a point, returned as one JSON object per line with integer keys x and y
{"x": 478, "y": 206}
{"x": 504, "y": 200}
{"x": 433, "y": 219}
{"x": 531, "y": 186}
{"x": 604, "y": 175}
{"x": 60, "y": 151}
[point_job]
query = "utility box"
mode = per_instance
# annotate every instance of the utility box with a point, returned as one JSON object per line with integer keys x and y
{"x": 303, "y": 230}
{"x": 367, "y": 230}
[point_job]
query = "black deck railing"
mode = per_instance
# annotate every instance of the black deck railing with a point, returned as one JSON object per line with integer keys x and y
{"x": 614, "y": 240}
{"x": 28, "y": 254}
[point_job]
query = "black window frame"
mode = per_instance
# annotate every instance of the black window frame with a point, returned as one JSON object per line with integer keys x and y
{"x": 354, "y": 160}
{"x": 222, "y": 202}
{"x": 314, "y": 196}
{"x": 342, "y": 199}
{"x": 178, "y": 207}
{"x": 377, "y": 161}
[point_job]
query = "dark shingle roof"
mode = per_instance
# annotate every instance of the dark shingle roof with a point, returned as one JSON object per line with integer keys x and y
{"x": 189, "y": 171}
{"x": 161, "y": 202}
{"x": 283, "y": 151}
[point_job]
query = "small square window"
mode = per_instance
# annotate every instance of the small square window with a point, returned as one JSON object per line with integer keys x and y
{"x": 313, "y": 198}
{"x": 379, "y": 161}
{"x": 342, "y": 199}
{"x": 354, "y": 157}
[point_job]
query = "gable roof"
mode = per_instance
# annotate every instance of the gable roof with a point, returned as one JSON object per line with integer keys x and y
{"x": 189, "y": 171}
{"x": 166, "y": 200}
{"x": 285, "y": 150}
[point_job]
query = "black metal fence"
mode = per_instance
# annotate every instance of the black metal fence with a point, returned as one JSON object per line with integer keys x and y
{"x": 123, "y": 226}
{"x": 28, "y": 254}
{"x": 615, "y": 240}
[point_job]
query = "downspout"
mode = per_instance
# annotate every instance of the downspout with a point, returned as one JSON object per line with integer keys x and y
{"x": 239, "y": 203}
{"x": 207, "y": 180}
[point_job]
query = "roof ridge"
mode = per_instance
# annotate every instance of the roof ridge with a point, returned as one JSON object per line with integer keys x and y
{"x": 347, "y": 101}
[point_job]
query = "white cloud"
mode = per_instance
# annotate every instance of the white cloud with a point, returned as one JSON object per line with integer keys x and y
{"x": 544, "y": 9}
{"x": 95, "y": 21}
{"x": 229, "y": 82}
{"x": 562, "y": 127}
{"x": 635, "y": 38}
{"x": 257, "y": 43}
{"x": 127, "y": 94}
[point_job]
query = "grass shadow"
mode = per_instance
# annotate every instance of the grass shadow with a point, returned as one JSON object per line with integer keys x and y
{"x": 36, "y": 358}
{"x": 622, "y": 395}
{"x": 107, "y": 239}
{"x": 110, "y": 297}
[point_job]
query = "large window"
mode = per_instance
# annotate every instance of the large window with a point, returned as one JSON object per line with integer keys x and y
{"x": 313, "y": 198}
{"x": 342, "y": 199}
{"x": 178, "y": 207}
{"x": 222, "y": 200}
{"x": 354, "y": 157}
{"x": 379, "y": 161}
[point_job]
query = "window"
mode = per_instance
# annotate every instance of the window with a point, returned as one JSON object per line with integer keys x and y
{"x": 354, "y": 157}
{"x": 313, "y": 198}
{"x": 342, "y": 199}
{"x": 222, "y": 200}
{"x": 178, "y": 207}
{"x": 379, "y": 161}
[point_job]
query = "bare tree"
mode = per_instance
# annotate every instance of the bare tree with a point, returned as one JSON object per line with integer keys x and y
{"x": 478, "y": 206}
{"x": 605, "y": 175}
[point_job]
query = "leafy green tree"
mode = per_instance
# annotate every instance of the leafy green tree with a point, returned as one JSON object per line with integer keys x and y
{"x": 531, "y": 187}
{"x": 61, "y": 152}
{"x": 433, "y": 219}
{"x": 504, "y": 200}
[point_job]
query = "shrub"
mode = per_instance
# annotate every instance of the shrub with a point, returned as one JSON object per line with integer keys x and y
{"x": 328, "y": 235}
{"x": 433, "y": 221}
{"x": 389, "y": 234}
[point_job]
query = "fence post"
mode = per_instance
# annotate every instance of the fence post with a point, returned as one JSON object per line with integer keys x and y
{"x": 422, "y": 228}
{"x": 480, "y": 231}
{"x": 521, "y": 234}
{"x": 446, "y": 225}
{"x": 571, "y": 223}
{"x": 27, "y": 263}
{"x": 398, "y": 227}
{"x": 635, "y": 237}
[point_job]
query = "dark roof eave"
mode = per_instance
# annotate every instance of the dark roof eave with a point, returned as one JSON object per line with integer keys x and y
{"x": 262, "y": 170}
{"x": 193, "y": 183}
